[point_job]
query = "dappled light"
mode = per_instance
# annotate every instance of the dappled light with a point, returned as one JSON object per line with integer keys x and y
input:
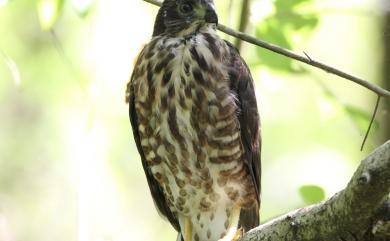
{"x": 69, "y": 168}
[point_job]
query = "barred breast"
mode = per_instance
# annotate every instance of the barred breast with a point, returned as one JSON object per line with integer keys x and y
{"x": 189, "y": 130}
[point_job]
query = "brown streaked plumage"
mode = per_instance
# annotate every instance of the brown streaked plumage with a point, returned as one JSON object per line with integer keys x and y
{"x": 195, "y": 122}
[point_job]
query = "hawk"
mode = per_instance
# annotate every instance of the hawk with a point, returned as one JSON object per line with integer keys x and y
{"x": 195, "y": 122}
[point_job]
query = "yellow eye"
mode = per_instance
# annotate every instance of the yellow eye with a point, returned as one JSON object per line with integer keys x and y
{"x": 186, "y": 8}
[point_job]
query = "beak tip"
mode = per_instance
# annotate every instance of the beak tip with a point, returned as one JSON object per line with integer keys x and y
{"x": 211, "y": 17}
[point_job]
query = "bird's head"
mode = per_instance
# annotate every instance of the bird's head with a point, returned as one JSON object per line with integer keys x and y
{"x": 184, "y": 17}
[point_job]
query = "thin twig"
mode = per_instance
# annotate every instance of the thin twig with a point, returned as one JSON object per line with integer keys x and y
{"x": 372, "y": 121}
{"x": 330, "y": 93}
{"x": 158, "y": 3}
{"x": 288, "y": 53}
{"x": 308, "y": 57}
{"x": 244, "y": 20}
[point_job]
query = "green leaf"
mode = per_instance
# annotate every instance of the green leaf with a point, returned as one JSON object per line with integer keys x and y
{"x": 48, "y": 12}
{"x": 83, "y": 7}
{"x": 300, "y": 22}
{"x": 274, "y": 35}
{"x": 283, "y": 5}
{"x": 286, "y": 21}
{"x": 312, "y": 194}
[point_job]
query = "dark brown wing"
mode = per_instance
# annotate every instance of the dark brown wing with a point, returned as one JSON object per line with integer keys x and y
{"x": 241, "y": 84}
{"x": 155, "y": 188}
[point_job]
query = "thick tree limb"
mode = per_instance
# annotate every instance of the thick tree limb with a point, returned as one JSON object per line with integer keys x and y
{"x": 359, "y": 212}
{"x": 302, "y": 58}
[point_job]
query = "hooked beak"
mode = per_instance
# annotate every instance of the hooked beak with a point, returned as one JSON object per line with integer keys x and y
{"x": 211, "y": 16}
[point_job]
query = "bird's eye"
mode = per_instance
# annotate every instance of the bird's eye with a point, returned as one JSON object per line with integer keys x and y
{"x": 186, "y": 8}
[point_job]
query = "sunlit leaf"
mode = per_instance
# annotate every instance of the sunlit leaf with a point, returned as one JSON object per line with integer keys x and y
{"x": 299, "y": 22}
{"x": 284, "y": 5}
{"x": 272, "y": 32}
{"x": 312, "y": 194}
{"x": 278, "y": 28}
{"x": 361, "y": 117}
{"x": 48, "y": 12}
{"x": 83, "y": 7}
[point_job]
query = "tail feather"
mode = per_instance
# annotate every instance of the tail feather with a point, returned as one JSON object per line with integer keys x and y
{"x": 249, "y": 218}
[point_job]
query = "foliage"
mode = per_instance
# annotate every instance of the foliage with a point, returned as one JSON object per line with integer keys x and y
{"x": 49, "y": 11}
{"x": 287, "y": 20}
{"x": 312, "y": 194}
{"x": 65, "y": 142}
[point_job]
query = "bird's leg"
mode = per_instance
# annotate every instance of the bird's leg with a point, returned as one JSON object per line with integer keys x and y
{"x": 233, "y": 232}
{"x": 238, "y": 234}
{"x": 187, "y": 229}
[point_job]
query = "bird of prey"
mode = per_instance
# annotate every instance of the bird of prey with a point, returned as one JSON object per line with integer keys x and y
{"x": 195, "y": 121}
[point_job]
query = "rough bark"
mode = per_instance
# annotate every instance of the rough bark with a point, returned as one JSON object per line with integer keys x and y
{"x": 360, "y": 212}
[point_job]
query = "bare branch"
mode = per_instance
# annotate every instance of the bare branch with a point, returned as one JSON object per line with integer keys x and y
{"x": 305, "y": 59}
{"x": 371, "y": 122}
{"x": 157, "y": 3}
{"x": 310, "y": 61}
{"x": 348, "y": 215}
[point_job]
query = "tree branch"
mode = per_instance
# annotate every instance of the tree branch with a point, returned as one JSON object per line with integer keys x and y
{"x": 302, "y": 58}
{"x": 245, "y": 13}
{"x": 371, "y": 122}
{"x": 359, "y": 212}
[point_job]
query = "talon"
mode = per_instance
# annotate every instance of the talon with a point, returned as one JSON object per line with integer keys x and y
{"x": 187, "y": 229}
{"x": 233, "y": 232}
{"x": 238, "y": 234}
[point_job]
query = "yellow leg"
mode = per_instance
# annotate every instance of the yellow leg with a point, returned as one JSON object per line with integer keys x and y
{"x": 238, "y": 235}
{"x": 233, "y": 232}
{"x": 187, "y": 229}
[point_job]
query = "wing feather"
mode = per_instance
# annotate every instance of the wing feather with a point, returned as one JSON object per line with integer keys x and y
{"x": 241, "y": 84}
{"x": 154, "y": 186}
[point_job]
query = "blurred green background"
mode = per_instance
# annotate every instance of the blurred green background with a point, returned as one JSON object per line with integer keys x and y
{"x": 69, "y": 169}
